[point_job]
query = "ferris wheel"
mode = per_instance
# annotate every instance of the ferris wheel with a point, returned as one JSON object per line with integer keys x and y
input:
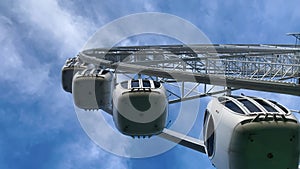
{"x": 136, "y": 85}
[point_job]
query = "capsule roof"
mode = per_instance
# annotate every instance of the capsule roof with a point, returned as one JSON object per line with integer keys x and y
{"x": 250, "y": 105}
{"x": 140, "y": 83}
{"x": 94, "y": 72}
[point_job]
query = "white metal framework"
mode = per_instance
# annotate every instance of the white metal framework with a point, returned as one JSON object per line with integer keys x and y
{"x": 272, "y": 68}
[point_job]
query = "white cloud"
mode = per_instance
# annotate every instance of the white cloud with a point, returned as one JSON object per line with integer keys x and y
{"x": 149, "y": 7}
{"x": 48, "y": 24}
{"x": 56, "y": 24}
{"x": 82, "y": 153}
{"x": 14, "y": 69}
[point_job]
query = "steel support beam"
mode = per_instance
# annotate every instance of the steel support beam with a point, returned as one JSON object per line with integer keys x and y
{"x": 184, "y": 140}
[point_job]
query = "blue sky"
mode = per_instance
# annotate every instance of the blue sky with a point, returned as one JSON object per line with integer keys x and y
{"x": 39, "y": 126}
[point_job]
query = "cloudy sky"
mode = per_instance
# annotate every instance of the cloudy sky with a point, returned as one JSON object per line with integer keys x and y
{"x": 39, "y": 126}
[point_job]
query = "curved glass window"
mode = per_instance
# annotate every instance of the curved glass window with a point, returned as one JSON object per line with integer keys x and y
{"x": 135, "y": 83}
{"x": 232, "y": 106}
{"x": 146, "y": 83}
{"x": 222, "y": 99}
{"x": 104, "y": 72}
{"x": 205, "y": 117}
{"x": 236, "y": 97}
{"x": 156, "y": 84}
{"x": 210, "y": 135}
{"x": 268, "y": 107}
{"x": 280, "y": 106}
{"x": 250, "y": 106}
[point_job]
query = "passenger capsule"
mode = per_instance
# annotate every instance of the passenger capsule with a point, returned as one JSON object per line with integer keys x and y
{"x": 140, "y": 107}
{"x": 250, "y": 132}
{"x": 71, "y": 67}
{"x": 92, "y": 89}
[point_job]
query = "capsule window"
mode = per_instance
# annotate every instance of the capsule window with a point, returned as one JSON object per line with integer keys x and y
{"x": 236, "y": 97}
{"x": 205, "y": 117}
{"x": 250, "y": 106}
{"x": 156, "y": 84}
{"x": 104, "y": 72}
{"x": 135, "y": 83}
{"x": 146, "y": 83}
{"x": 280, "y": 106}
{"x": 268, "y": 107}
{"x": 210, "y": 135}
{"x": 222, "y": 99}
{"x": 232, "y": 106}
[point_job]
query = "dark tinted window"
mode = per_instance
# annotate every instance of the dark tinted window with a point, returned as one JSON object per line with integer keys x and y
{"x": 280, "y": 106}
{"x": 104, "y": 72}
{"x": 250, "y": 106}
{"x": 146, "y": 83}
{"x": 135, "y": 83}
{"x": 205, "y": 117}
{"x": 222, "y": 99}
{"x": 268, "y": 107}
{"x": 210, "y": 135}
{"x": 236, "y": 97}
{"x": 232, "y": 106}
{"x": 156, "y": 84}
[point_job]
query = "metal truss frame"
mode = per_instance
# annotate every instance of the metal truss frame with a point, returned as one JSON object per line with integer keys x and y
{"x": 271, "y": 68}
